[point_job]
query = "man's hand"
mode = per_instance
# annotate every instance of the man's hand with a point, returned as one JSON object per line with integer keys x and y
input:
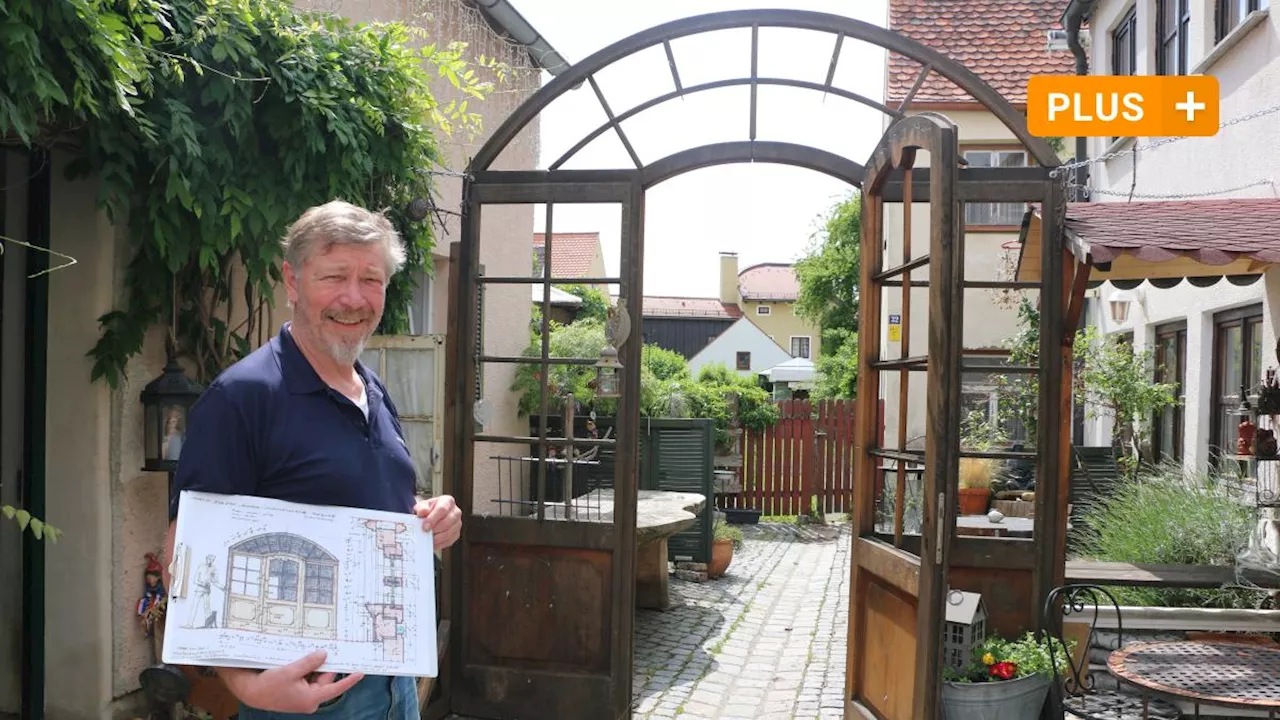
{"x": 442, "y": 516}
{"x": 288, "y": 688}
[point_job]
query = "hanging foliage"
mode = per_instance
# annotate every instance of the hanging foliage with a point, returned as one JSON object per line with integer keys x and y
{"x": 210, "y": 126}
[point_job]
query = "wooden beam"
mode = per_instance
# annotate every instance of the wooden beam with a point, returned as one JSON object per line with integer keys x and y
{"x": 866, "y": 429}
{"x": 1052, "y": 426}
{"x": 1205, "y": 577}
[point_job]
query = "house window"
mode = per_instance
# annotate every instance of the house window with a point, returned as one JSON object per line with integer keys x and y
{"x": 984, "y": 392}
{"x": 1237, "y": 361}
{"x": 800, "y": 346}
{"x": 1171, "y": 367}
{"x": 1124, "y": 45}
{"x": 744, "y": 360}
{"x": 763, "y": 309}
{"x": 995, "y": 214}
{"x": 1173, "y": 24}
{"x": 1231, "y": 13}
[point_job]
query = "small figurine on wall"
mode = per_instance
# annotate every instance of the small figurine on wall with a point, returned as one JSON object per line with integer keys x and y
{"x": 1244, "y": 436}
{"x": 151, "y": 606}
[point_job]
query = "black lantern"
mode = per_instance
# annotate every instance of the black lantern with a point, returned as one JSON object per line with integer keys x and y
{"x": 608, "y": 381}
{"x": 165, "y": 403}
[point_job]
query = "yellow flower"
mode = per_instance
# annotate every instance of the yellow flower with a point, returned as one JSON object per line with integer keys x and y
{"x": 988, "y": 659}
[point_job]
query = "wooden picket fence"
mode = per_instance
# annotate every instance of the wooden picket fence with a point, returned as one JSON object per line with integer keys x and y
{"x": 807, "y": 454}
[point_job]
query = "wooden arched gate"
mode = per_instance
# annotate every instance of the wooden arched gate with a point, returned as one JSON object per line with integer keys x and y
{"x": 902, "y": 578}
{"x": 542, "y": 599}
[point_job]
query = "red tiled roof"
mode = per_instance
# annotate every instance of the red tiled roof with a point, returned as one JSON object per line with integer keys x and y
{"x": 769, "y": 281}
{"x": 658, "y": 306}
{"x": 1212, "y": 232}
{"x": 572, "y": 253}
{"x": 1004, "y": 42}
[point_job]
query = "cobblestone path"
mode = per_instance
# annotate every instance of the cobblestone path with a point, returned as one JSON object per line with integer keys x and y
{"x": 765, "y": 641}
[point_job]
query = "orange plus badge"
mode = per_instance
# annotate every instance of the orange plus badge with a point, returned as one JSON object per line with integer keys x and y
{"x": 1122, "y": 105}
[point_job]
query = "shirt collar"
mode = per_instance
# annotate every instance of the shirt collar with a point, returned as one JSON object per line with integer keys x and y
{"x": 298, "y": 374}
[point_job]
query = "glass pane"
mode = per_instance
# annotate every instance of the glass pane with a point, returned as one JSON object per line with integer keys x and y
{"x": 282, "y": 581}
{"x": 1232, "y": 361}
{"x": 1254, "y": 368}
{"x": 418, "y": 436}
{"x": 410, "y": 378}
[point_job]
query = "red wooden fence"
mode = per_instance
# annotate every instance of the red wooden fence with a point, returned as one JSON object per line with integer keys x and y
{"x": 807, "y": 454}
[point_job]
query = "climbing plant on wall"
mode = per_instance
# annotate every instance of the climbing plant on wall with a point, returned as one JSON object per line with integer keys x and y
{"x": 211, "y": 126}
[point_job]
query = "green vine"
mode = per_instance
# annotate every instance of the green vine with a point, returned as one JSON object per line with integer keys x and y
{"x": 210, "y": 127}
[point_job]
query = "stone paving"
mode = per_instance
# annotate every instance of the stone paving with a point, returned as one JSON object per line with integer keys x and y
{"x": 765, "y": 641}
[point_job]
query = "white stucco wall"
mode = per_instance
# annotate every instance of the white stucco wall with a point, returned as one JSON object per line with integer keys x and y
{"x": 1248, "y": 69}
{"x": 742, "y": 336}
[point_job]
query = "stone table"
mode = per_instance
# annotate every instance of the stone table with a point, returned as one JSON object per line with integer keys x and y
{"x": 659, "y": 515}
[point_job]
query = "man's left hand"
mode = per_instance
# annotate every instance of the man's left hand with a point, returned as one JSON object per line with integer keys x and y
{"x": 441, "y": 516}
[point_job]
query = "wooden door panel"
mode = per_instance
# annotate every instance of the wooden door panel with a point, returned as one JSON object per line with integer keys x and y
{"x": 539, "y": 608}
{"x": 888, "y": 650}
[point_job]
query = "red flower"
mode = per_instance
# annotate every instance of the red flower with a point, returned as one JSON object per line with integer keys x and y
{"x": 1004, "y": 670}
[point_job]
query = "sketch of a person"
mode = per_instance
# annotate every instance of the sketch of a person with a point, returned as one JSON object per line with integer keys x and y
{"x": 202, "y": 614}
{"x": 173, "y": 434}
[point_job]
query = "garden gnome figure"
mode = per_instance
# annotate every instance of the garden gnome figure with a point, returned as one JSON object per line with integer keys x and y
{"x": 151, "y": 606}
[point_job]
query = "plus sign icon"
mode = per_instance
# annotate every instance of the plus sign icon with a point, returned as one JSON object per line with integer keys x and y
{"x": 1122, "y": 105}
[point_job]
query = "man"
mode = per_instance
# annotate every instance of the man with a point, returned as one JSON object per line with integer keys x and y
{"x": 301, "y": 419}
{"x": 201, "y": 610}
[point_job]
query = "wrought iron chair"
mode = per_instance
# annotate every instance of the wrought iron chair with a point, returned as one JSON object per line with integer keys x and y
{"x": 1075, "y": 691}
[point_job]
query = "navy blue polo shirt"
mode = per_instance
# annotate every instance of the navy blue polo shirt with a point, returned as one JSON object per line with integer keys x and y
{"x": 269, "y": 426}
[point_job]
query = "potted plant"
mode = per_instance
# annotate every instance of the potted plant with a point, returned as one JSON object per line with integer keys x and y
{"x": 976, "y": 474}
{"x": 1006, "y": 680}
{"x": 725, "y": 538}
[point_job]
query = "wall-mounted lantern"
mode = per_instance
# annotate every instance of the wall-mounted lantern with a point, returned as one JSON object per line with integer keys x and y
{"x": 165, "y": 404}
{"x": 1120, "y": 303}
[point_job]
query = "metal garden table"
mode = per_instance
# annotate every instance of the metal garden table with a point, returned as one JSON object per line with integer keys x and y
{"x": 1237, "y": 675}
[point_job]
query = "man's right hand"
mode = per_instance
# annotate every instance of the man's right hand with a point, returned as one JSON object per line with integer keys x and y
{"x": 289, "y": 688}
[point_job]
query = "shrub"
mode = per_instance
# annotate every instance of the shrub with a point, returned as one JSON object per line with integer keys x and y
{"x": 1169, "y": 516}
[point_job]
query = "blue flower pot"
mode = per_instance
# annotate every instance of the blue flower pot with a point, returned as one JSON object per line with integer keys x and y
{"x": 1017, "y": 699}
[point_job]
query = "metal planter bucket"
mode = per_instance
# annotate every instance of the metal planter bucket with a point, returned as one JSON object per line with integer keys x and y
{"x": 1018, "y": 699}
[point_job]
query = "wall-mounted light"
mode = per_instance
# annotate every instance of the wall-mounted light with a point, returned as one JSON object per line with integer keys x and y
{"x": 1120, "y": 303}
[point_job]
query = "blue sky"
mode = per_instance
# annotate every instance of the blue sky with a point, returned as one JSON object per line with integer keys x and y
{"x": 766, "y": 213}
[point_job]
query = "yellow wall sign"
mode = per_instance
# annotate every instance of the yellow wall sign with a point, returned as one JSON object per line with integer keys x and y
{"x": 1122, "y": 105}
{"x": 895, "y": 328}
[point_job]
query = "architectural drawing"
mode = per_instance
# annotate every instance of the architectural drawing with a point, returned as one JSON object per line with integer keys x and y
{"x": 260, "y": 583}
{"x": 282, "y": 584}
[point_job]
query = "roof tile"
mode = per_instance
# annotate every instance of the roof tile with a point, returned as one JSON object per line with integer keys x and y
{"x": 1001, "y": 41}
{"x": 660, "y": 306}
{"x": 769, "y": 281}
{"x": 572, "y": 253}
{"x": 1213, "y": 232}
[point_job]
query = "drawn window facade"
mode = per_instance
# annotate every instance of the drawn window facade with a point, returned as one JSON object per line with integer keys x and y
{"x": 282, "y": 584}
{"x": 1230, "y": 13}
{"x": 1173, "y": 36}
{"x": 994, "y": 214}
{"x": 800, "y": 346}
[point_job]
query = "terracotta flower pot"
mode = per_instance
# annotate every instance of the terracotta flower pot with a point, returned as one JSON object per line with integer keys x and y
{"x": 973, "y": 501}
{"x": 721, "y": 556}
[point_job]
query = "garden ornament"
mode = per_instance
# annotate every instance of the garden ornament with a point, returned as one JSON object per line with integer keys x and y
{"x": 995, "y": 516}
